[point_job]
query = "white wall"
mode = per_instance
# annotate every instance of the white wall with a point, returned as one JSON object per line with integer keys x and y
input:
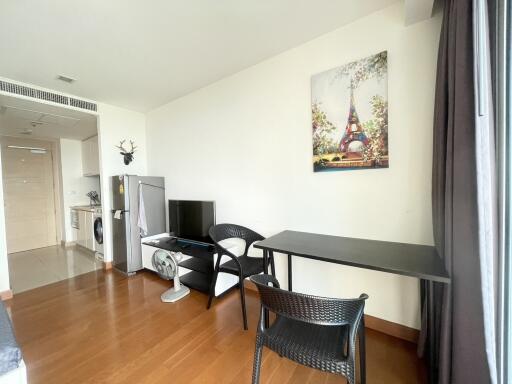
{"x": 4, "y": 268}
{"x": 116, "y": 124}
{"x": 74, "y": 185}
{"x": 245, "y": 142}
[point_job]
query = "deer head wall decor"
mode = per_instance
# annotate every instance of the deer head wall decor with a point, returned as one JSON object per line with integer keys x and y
{"x": 127, "y": 155}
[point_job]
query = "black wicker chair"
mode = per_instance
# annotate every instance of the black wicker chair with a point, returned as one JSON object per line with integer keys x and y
{"x": 242, "y": 266}
{"x": 314, "y": 331}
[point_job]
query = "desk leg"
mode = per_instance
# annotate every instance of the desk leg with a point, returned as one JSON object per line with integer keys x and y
{"x": 290, "y": 273}
{"x": 265, "y": 270}
{"x": 265, "y": 261}
{"x": 431, "y": 334}
{"x": 272, "y": 263}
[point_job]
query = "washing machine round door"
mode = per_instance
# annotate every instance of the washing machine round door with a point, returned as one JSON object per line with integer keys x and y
{"x": 98, "y": 230}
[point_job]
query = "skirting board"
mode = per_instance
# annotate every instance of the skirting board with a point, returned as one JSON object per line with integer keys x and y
{"x": 67, "y": 244}
{"x": 387, "y": 327}
{"x": 6, "y": 295}
{"x": 393, "y": 329}
{"x": 107, "y": 265}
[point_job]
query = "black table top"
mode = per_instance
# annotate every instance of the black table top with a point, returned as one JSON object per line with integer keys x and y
{"x": 421, "y": 261}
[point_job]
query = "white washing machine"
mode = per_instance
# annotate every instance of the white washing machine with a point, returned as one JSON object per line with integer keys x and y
{"x": 97, "y": 224}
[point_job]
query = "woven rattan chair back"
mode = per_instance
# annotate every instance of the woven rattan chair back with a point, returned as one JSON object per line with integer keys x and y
{"x": 307, "y": 308}
{"x": 221, "y": 232}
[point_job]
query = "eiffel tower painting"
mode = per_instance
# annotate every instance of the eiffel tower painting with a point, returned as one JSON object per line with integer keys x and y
{"x": 357, "y": 139}
{"x": 354, "y": 140}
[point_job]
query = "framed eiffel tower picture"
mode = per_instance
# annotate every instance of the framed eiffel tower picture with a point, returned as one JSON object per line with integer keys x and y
{"x": 349, "y": 113}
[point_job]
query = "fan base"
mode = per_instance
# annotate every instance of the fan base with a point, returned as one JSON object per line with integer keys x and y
{"x": 172, "y": 295}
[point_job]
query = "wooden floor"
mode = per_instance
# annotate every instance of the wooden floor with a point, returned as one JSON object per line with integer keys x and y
{"x": 104, "y": 328}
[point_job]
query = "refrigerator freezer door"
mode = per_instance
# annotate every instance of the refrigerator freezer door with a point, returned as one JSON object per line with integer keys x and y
{"x": 119, "y": 197}
{"x": 121, "y": 228}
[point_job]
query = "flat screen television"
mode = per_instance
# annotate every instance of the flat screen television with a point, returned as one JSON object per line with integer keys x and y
{"x": 191, "y": 219}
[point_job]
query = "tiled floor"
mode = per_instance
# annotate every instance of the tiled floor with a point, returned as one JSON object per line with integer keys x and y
{"x": 38, "y": 267}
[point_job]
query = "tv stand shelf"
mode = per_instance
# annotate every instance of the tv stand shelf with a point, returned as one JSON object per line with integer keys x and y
{"x": 198, "y": 265}
{"x": 200, "y": 261}
{"x": 196, "y": 270}
{"x": 198, "y": 281}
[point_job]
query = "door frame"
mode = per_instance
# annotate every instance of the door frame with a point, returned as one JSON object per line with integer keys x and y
{"x": 54, "y": 148}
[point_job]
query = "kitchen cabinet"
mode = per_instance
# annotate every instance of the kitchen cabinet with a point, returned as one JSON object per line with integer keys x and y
{"x": 89, "y": 236}
{"x": 85, "y": 232}
{"x": 90, "y": 157}
{"x": 80, "y": 234}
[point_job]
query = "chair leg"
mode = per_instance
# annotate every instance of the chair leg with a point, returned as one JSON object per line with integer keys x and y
{"x": 362, "y": 353}
{"x": 212, "y": 288}
{"x": 351, "y": 374}
{"x": 242, "y": 298}
{"x": 256, "y": 368}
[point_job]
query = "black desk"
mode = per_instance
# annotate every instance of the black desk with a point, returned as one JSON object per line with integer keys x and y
{"x": 414, "y": 260}
{"x": 421, "y": 261}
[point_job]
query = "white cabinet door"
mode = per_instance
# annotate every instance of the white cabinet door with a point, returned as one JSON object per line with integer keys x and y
{"x": 81, "y": 235}
{"x": 89, "y": 240}
{"x": 75, "y": 214}
{"x": 85, "y": 232}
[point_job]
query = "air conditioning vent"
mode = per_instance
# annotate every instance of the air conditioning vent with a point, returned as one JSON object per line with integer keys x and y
{"x": 82, "y": 104}
{"x": 47, "y": 96}
{"x": 53, "y": 97}
{"x": 17, "y": 89}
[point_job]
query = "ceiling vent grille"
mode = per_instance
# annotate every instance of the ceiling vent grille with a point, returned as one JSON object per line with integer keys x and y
{"x": 82, "y": 104}
{"x": 17, "y": 89}
{"x": 47, "y": 96}
{"x": 53, "y": 97}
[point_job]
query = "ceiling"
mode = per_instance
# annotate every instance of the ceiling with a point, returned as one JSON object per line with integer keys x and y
{"x": 140, "y": 55}
{"x": 43, "y": 121}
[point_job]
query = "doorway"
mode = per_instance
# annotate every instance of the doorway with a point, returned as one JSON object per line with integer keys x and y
{"x": 50, "y": 174}
{"x": 29, "y": 194}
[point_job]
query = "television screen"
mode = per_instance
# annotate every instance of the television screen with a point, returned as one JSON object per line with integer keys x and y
{"x": 191, "y": 220}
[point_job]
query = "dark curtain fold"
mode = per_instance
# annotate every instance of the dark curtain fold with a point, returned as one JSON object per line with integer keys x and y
{"x": 453, "y": 314}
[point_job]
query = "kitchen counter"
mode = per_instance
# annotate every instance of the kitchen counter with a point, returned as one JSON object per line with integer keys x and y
{"x": 87, "y": 208}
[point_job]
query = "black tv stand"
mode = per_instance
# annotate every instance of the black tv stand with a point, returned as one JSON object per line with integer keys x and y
{"x": 200, "y": 264}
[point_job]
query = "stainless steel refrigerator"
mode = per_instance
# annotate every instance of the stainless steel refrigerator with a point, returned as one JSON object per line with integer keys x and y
{"x": 126, "y": 195}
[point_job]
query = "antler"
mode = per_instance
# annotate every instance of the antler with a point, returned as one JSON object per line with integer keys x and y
{"x": 133, "y": 147}
{"x": 120, "y": 146}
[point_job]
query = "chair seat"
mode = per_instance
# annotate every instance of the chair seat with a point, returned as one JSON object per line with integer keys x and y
{"x": 318, "y": 346}
{"x": 250, "y": 266}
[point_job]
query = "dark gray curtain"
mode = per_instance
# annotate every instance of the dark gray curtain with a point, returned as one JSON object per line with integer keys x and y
{"x": 453, "y": 326}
